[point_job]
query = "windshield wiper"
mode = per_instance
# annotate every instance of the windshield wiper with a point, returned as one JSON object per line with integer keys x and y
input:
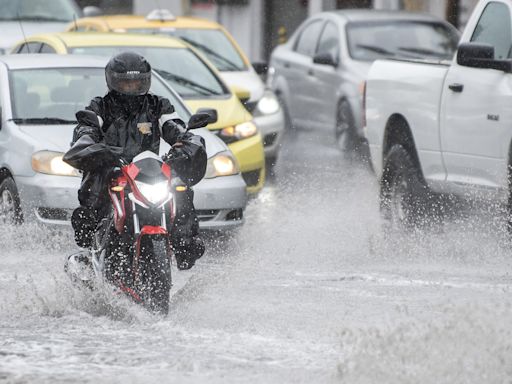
{"x": 187, "y": 83}
{"x": 39, "y": 18}
{"x": 376, "y": 49}
{"x": 423, "y": 51}
{"x": 42, "y": 120}
{"x": 211, "y": 52}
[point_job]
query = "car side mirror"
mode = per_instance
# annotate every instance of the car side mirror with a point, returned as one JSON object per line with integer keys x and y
{"x": 325, "y": 58}
{"x": 91, "y": 11}
{"x": 478, "y": 55}
{"x": 260, "y": 68}
{"x": 198, "y": 120}
{"x": 210, "y": 112}
{"x": 243, "y": 94}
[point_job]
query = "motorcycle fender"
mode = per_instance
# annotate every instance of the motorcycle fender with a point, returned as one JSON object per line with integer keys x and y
{"x": 147, "y": 230}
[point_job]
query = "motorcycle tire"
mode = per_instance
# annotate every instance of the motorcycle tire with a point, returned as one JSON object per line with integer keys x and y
{"x": 155, "y": 281}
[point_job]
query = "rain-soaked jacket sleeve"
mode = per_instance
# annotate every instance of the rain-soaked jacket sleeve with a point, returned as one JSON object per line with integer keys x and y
{"x": 88, "y": 152}
{"x": 190, "y": 157}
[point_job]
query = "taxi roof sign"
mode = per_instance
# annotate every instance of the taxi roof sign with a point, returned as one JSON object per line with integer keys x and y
{"x": 160, "y": 15}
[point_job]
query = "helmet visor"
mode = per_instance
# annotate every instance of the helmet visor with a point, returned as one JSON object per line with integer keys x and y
{"x": 131, "y": 84}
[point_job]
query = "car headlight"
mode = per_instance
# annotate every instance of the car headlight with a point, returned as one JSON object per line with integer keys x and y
{"x": 154, "y": 193}
{"x": 268, "y": 104}
{"x": 51, "y": 163}
{"x": 222, "y": 164}
{"x": 238, "y": 132}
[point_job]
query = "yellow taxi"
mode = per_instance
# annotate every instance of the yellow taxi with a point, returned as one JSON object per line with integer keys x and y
{"x": 186, "y": 71}
{"x": 220, "y": 48}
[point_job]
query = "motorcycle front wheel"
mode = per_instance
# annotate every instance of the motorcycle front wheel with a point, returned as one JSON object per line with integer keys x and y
{"x": 155, "y": 281}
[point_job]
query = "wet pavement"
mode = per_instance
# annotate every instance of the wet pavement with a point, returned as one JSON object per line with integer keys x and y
{"x": 309, "y": 290}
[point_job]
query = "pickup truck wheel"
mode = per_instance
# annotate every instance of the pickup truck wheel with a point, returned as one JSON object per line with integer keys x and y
{"x": 345, "y": 128}
{"x": 10, "y": 210}
{"x": 404, "y": 196}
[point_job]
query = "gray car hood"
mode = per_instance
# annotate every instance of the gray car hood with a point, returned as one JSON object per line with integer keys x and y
{"x": 58, "y": 138}
{"x": 12, "y": 34}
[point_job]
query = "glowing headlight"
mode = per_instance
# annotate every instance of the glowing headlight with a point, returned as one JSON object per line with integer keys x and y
{"x": 268, "y": 104}
{"x": 51, "y": 163}
{"x": 154, "y": 193}
{"x": 222, "y": 164}
{"x": 238, "y": 132}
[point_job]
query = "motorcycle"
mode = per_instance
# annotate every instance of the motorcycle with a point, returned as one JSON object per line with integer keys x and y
{"x": 131, "y": 248}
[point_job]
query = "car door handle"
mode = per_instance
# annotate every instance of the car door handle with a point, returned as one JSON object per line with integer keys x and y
{"x": 456, "y": 87}
{"x": 311, "y": 72}
{"x": 286, "y": 64}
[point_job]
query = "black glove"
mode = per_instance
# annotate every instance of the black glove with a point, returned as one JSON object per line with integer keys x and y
{"x": 179, "y": 160}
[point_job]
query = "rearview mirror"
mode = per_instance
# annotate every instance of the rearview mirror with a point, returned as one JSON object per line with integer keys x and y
{"x": 91, "y": 11}
{"x": 198, "y": 120}
{"x": 242, "y": 93}
{"x": 477, "y": 55}
{"x": 325, "y": 58}
{"x": 210, "y": 112}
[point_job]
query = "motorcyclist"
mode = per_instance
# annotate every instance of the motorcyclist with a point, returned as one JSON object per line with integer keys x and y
{"x": 125, "y": 122}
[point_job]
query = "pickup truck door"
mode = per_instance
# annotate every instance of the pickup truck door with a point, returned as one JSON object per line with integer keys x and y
{"x": 476, "y": 113}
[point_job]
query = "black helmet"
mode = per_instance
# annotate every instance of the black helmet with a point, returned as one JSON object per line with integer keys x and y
{"x": 129, "y": 74}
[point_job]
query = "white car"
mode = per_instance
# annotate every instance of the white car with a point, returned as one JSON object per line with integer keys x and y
{"x": 39, "y": 96}
{"x": 21, "y": 18}
{"x": 319, "y": 72}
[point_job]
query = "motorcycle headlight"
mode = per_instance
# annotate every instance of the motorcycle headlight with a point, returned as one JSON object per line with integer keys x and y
{"x": 154, "y": 193}
{"x": 51, "y": 163}
{"x": 222, "y": 164}
{"x": 238, "y": 132}
{"x": 268, "y": 104}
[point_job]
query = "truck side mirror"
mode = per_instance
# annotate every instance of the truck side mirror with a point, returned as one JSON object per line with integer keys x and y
{"x": 478, "y": 55}
{"x": 325, "y": 58}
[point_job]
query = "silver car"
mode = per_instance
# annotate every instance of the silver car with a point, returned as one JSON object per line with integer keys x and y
{"x": 319, "y": 73}
{"x": 39, "y": 95}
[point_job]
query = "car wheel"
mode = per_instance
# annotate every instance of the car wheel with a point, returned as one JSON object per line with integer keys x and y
{"x": 404, "y": 197}
{"x": 288, "y": 125}
{"x": 345, "y": 128}
{"x": 10, "y": 210}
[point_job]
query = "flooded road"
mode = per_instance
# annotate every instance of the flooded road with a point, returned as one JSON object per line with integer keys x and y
{"x": 309, "y": 290}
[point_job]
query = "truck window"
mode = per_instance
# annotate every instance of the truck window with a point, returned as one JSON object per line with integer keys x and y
{"x": 329, "y": 41}
{"x": 494, "y": 28}
{"x": 308, "y": 38}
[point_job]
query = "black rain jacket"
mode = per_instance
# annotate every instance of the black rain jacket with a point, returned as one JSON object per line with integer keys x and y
{"x": 117, "y": 129}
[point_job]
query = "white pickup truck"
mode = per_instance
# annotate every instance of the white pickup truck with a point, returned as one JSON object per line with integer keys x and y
{"x": 444, "y": 126}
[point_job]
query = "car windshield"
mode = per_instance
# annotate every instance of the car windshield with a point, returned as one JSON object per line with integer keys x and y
{"x": 212, "y": 42}
{"x": 402, "y": 39}
{"x": 180, "y": 67}
{"x": 39, "y": 10}
{"x": 54, "y": 95}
